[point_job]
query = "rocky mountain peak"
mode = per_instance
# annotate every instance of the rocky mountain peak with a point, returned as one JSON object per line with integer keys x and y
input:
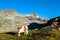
{"x": 10, "y": 19}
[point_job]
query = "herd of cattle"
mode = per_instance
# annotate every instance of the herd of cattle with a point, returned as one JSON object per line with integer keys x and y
{"x": 25, "y": 28}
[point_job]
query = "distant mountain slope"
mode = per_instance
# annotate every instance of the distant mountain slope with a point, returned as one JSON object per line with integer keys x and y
{"x": 10, "y": 20}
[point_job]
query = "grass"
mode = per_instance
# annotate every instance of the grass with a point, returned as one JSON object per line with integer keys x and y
{"x": 33, "y": 35}
{"x": 13, "y": 36}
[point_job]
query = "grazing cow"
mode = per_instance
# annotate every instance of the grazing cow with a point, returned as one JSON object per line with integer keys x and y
{"x": 54, "y": 23}
{"x": 22, "y": 29}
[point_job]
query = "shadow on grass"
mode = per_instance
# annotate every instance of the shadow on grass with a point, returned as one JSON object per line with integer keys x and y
{"x": 11, "y": 33}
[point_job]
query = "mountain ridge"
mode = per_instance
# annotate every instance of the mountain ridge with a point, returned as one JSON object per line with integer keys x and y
{"x": 10, "y": 19}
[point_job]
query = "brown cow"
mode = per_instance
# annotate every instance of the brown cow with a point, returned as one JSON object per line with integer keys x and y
{"x": 22, "y": 29}
{"x": 54, "y": 23}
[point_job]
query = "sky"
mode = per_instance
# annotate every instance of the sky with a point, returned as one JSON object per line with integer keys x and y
{"x": 43, "y": 8}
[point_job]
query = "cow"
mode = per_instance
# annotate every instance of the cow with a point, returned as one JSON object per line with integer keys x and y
{"x": 22, "y": 29}
{"x": 54, "y": 23}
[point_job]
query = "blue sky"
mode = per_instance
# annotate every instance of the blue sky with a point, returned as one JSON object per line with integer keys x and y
{"x": 44, "y": 8}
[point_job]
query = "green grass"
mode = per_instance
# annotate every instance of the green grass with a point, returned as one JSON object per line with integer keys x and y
{"x": 33, "y": 35}
{"x": 7, "y": 36}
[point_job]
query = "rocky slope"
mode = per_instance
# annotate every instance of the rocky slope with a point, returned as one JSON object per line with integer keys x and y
{"x": 10, "y": 20}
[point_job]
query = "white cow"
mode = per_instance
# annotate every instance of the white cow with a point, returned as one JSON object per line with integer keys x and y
{"x": 22, "y": 29}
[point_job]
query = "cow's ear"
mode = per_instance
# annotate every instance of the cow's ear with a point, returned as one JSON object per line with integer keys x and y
{"x": 19, "y": 27}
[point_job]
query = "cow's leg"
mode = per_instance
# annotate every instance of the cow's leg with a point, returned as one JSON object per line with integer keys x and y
{"x": 19, "y": 33}
{"x": 26, "y": 32}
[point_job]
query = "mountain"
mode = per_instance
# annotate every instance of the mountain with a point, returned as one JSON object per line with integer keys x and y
{"x": 10, "y": 20}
